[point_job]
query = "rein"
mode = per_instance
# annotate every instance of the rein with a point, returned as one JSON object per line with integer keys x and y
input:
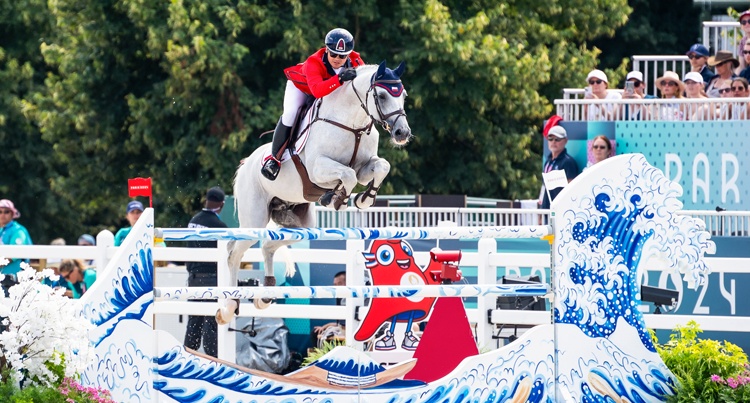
{"x": 358, "y": 132}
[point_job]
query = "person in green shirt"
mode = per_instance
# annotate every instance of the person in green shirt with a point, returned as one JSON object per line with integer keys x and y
{"x": 11, "y": 233}
{"x": 134, "y": 211}
{"x": 78, "y": 278}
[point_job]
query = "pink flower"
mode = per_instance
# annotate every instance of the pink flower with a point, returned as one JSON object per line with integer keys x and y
{"x": 732, "y": 383}
{"x": 716, "y": 378}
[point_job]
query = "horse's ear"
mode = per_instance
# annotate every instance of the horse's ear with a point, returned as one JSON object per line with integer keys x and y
{"x": 400, "y": 69}
{"x": 381, "y": 70}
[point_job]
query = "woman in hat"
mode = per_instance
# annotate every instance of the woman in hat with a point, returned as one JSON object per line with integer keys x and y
{"x": 694, "y": 89}
{"x": 320, "y": 74}
{"x": 744, "y": 20}
{"x": 11, "y": 233}
{"x": 599, "y": 89}
{"x": 724, "y": 63}
{"x": 670, "y": 87}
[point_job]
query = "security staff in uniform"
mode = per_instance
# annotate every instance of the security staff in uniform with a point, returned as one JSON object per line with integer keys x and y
{"x": 203, "y": 274}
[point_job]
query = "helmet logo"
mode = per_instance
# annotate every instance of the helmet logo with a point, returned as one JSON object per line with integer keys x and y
{"x": 340, "y": 45}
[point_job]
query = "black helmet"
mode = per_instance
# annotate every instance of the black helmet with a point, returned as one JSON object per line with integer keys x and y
{"x": 339, "y": 41}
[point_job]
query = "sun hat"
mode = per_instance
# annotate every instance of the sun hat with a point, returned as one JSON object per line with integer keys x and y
{"x": 742, "y": 14}
{"x": 558, "y": 131}
{"x": 693, "y": 76}
{"x": 135, "y": 205}
{"x": 597, "y": 74}
{"x": 670, "y": 76}
{"x": 634, "y": 74}
{"x": 9, "y": 205}
{"x": 721, "y": 57}
{"x": 698, "y": 49}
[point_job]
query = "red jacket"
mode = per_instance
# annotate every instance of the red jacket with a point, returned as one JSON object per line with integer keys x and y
{"x": 316, "y": 78}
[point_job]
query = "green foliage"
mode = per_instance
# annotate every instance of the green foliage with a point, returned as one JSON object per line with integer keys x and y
{"x": 315, "y": 353}
{"x": 93, "y": 92}
{"x": 694, "y": 361}
{"x": 65, "y": 390}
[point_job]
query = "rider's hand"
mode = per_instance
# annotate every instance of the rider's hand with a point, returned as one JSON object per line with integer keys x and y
{"x": 347, "y": 75}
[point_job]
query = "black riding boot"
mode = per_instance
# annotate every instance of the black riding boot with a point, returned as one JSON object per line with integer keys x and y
{"x": 272, "y": 165}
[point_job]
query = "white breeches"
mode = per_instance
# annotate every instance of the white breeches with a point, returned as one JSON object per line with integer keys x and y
{"x": 293, "y": 99}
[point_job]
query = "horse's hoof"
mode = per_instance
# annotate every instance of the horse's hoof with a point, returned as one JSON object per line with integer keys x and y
{"x": 262, "y": 303}
{"x": 325, "y": 200}
{"x": 362, "y": 201}
{"x": 269, "y": 281}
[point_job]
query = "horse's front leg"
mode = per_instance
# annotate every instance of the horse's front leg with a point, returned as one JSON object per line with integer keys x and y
{"x": 326, "y": 170}
{"x": 372, "y": 175}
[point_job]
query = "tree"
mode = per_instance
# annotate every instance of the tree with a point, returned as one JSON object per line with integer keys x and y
{"x": 178, "y": 91}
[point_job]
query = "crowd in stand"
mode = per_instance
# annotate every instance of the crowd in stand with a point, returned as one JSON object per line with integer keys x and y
{"x": 710, "y": 78}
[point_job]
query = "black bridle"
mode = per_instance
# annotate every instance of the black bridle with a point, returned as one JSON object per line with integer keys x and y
{"x": 382, "y": 120}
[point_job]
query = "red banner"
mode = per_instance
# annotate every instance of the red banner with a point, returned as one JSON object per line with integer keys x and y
{"x": 139, "y": 187}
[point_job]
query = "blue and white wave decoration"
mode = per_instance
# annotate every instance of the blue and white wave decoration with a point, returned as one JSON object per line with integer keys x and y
{"x": 606, "y": 221}
{"x": 605, "y": 226}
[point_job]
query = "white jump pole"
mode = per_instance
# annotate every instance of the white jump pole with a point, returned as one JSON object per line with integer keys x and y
{"x": 335, "y": 234}
{"x": 442, "y": 290}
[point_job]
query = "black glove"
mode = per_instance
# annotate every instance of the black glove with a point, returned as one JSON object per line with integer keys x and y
{"x": 347, "y": 75}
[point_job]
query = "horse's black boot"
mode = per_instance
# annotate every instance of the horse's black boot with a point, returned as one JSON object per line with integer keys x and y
{"x": 272, "y": 166}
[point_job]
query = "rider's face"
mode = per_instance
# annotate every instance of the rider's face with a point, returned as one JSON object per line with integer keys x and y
{"x": 336, "y": 61}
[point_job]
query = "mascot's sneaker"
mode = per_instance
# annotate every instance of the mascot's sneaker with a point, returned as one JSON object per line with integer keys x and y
{"x": 386, "y": 343}
{"x": 410, "y": 342}
{"x": 271, "y": 169}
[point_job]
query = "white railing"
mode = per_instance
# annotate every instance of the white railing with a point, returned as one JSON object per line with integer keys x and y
{"x": 428, "y": 216}
{"x": 654, "y": 67}
{"x": 725, "y": 223}
{"x": 675, "y": 109}
{"x": 722, "y": 35}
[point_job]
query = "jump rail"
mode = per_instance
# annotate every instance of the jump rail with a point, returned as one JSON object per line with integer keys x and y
{"x": 444, "y": 290}
{"x": 340, "y": 234}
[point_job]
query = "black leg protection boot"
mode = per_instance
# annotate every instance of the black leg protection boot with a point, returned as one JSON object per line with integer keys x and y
{"x": 272, "y": 165}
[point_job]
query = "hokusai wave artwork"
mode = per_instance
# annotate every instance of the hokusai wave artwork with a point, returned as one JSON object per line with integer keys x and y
{"x": 606, "y": 222}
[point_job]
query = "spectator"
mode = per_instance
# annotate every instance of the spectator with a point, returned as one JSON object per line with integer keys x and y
{"x": 79, "y": 280}
{"x": 745, "y": 26}
{"x": 134, "y": 211}
{"x": 741, "y": 89}
{"x": 745, "y": 73}
{"x": 331, "y": 330}
{"x": 671, "y": 87}
{"x": 694, "y": 86}
{"x": 724, "y": 110}
{"x": 601, "y": 149}
{"x": 598, "y": 89}
{"x": 11, "y": 233}
{"x": 636, "y": 112}
{"x": 557, "y": 159}
{"x": 698, "y": 55}
{"x": 203, "y": 274}
{"x": 725, "y": 63}
{"x": 87, "y": 240}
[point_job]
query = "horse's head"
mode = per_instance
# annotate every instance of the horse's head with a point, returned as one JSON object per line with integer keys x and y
{"x": 387, "y": 101}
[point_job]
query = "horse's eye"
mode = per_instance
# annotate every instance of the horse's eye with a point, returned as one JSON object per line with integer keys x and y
{"x": 381, "y": 96}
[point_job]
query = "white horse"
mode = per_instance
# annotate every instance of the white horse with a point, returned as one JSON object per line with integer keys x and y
{"x": 341, "y": 150}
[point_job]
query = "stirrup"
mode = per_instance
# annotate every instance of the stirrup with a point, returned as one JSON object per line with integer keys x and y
{"x": 271, "y": 169}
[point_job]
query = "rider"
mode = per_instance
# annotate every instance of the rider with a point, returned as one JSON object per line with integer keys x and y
{"x": 322, "y": 72}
